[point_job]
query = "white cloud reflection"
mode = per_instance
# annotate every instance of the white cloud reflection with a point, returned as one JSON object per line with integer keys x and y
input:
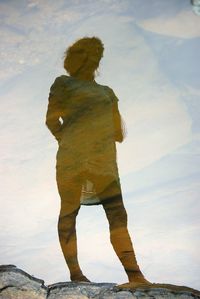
{"x": 183, "y": 25}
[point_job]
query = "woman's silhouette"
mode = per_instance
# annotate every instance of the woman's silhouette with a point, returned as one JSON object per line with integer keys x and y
{"x": 84, "y": 118}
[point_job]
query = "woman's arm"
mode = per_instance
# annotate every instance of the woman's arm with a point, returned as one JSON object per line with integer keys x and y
{"x": 54, "y": 110}
{"x": 119, "y": 125}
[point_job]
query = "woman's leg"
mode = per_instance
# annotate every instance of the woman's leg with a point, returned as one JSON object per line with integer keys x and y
{"x": 119, "y": 236}
{"x": 70, "y": 191}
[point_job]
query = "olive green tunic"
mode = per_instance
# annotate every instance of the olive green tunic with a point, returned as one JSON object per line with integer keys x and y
{"x": 84, "y": 118}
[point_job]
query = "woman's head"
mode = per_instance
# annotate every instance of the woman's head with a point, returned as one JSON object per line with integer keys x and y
{"x": 83, "y": 56}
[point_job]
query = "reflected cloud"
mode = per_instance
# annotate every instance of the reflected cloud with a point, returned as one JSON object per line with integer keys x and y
{"x": 183, "y": 25}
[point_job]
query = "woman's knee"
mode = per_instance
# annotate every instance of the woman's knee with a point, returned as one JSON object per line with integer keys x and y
{"x": 116, "y": 213}
{"x": 67, "y": 223}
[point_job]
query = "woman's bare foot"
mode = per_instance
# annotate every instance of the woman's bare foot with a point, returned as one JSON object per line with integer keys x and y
{"x": 79, "y": 277}
{"x": 140, "y": 280}
{"x": 133, "y": 285}
{"x": 136, "y": 279}
{"x": 137, "y": 282}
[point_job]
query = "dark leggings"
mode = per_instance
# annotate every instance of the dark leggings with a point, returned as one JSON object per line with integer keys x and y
{"x": 112, "y": 202}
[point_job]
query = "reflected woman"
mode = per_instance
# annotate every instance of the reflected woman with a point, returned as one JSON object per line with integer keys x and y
{"x": 84, "y": 118}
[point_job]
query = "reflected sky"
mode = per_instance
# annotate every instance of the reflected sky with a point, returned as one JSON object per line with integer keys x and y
{"x": 151, "y": 62}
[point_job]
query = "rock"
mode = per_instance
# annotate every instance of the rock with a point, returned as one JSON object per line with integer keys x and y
{"x": 17, "y": 284}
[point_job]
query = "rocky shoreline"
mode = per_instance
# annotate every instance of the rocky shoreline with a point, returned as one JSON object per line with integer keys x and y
{"x": 18, "y": 284}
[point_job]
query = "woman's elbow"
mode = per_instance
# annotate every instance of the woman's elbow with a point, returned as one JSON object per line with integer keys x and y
{"x": 50, "y": 125}
{"x": 119, "y": 137}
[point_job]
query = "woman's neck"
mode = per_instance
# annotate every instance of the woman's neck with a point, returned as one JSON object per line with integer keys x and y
{"x": 87, "y": 76}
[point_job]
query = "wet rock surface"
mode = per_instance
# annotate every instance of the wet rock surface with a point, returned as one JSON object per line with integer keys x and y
{"x": 18, "y": 284}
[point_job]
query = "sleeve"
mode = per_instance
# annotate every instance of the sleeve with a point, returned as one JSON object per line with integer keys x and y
{"x": 117, "y": 119}
{"x": 54, "y": 110}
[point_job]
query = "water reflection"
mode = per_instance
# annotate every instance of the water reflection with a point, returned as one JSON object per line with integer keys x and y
{"x": 84, "y": 118}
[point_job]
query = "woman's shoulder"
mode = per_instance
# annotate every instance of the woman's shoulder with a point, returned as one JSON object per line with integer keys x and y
{"x": 110, "y": 92}
{"x": 106, "y": 87}
{"x": 61, "y": 79}
{"x": 60, "y": 82}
